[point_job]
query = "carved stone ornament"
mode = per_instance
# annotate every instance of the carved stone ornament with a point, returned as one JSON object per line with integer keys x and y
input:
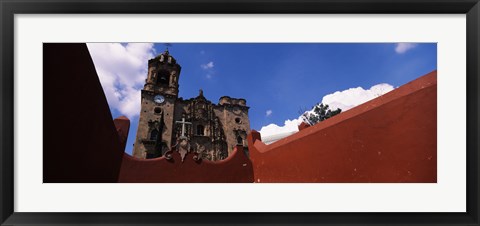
{"x": 183, "y": 147}
{"x": 237, "y": 110}
{"x": 199, "y": 153}
{"x": 168, "y": 155}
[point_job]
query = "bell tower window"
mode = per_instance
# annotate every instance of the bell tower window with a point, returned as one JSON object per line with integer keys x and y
{"x": 163, "y": 77}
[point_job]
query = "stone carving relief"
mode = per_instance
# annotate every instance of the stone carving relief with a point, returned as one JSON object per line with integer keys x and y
{"x": 210, "y": 142}
{"x": 183, "y": 147}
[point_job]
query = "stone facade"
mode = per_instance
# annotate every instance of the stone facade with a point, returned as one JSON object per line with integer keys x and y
{"x": 213, "y": 130}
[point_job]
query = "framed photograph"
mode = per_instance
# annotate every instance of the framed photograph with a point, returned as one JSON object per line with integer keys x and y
{"x": 200, "y": 112}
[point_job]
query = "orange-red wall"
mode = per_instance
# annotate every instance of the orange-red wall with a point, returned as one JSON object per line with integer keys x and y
{"x": 237, "y": 168}
{"x": 392, "y": 138}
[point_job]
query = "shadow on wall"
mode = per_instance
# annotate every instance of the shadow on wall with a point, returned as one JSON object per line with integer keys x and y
{"x": 80, "y": 142}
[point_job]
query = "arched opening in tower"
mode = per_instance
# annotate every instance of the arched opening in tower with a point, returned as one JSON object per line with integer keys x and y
{"x": 163, "y": 77}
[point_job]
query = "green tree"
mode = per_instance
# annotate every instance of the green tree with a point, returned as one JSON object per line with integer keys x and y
{"x": 320, "y": 112}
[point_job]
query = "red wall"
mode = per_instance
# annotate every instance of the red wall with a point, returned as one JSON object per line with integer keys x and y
{"x": 237, "y": 168}
{"x": 392, "y": 138}
{"x": 122, "y": 125}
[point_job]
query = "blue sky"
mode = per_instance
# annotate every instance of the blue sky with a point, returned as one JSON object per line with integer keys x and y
{"x": 276, "y": 79}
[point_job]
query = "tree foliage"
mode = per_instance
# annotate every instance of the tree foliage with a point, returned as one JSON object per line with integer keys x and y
{"x": 320, "y": 112}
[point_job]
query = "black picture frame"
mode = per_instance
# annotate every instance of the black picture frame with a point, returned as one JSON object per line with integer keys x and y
{"x": 11, "y": 7}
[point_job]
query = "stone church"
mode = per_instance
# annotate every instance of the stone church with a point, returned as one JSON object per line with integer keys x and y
{"x": 211, "y": 130}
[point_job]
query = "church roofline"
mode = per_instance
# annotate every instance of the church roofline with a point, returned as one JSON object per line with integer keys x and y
{"x": 213, "y": 104}
{"x": 227, "y": 100}
{"x": 166, "y": 55}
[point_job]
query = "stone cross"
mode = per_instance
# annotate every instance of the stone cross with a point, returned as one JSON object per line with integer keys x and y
{"x": 183, "y": 126}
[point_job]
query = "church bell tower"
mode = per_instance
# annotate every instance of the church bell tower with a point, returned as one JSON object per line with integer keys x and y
{"x": 159, "y": 96}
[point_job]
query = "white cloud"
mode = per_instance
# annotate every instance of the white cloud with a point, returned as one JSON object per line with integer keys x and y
{"x": 344, "y": 100}
{"x": 268, "y": 113}
{"x": 122, "y": 69}
{"x": 404, "y": 47}
{"x": 352, "y": 97}
{"x": 207, "y": 66}
{"x": 272, "y": 132}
